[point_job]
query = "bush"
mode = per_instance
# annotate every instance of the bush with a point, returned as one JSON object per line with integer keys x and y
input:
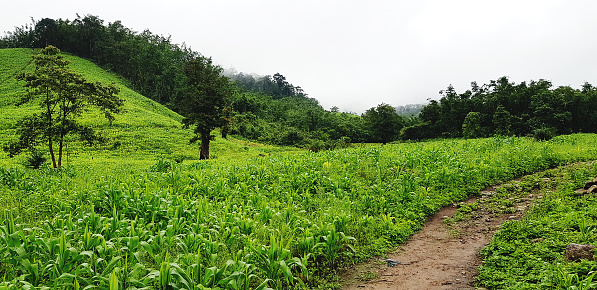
{"x": 35, "y": 160}
{"x": 544, "y": 134}
{"x": 161, "y": 165}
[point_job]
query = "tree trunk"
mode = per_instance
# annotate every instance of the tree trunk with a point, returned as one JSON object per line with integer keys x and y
{"x": 60, "y": 144}
{"x": 224, "y": 131}
{"x": 204, "y": 148}
{"x": 50, "y": 147}
{"x": 49, "y": 130}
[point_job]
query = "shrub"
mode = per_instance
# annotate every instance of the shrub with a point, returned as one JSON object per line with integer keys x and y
{"x": 35, "y": 160}
{"x": 544, "y": 134}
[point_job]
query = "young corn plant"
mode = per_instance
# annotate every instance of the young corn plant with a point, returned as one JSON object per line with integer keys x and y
{"x": 242, "y": 274}
{"x": 275, "y": 261}
{"x": 334, "y": 245}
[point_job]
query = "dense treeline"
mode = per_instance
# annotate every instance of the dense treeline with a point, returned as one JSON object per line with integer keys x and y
{"x": 276, "y": 86}
{"x": 151, "y": 63}
{"x": 505, "y": 108}
{"x": 270, "y": 109}
{"x": 265, "y": 108}
{"x": 294, "y": 121}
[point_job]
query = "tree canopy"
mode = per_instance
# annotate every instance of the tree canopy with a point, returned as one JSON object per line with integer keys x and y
{"x": 383, "y": 122}
{"x": 205, "y": 100}
{"x": 63, "y": 96}
{"x": 506, "y": 108}
{"x": 272, "y": 110}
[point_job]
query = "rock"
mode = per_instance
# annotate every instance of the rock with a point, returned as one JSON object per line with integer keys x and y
{"x": 590, "y": 183}
{"x": 579, "y": 191}
{"x": 392, "y": 262}
{"x": 575, "y": 252}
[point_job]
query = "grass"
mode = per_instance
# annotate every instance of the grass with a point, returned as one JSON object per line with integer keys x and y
{"x": 126, "y": 214}
{"x": 320, "y": 211}
{"x": 529, "y": 254}
{"x": 145, "y": 132}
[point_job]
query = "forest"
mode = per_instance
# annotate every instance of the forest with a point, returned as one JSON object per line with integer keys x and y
{"x": 272, "y": 110}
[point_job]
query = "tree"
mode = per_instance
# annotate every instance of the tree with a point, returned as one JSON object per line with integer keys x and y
{"x": 205, "y": 100}
{"x": 383, "y": 122}
{"x": 63, "y": 96}
{"x": 45, "y": 32}
{"x": 471, "y": 127}
{"x": 501, "y": 121}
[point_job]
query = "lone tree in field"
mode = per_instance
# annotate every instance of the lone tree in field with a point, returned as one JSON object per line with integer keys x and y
{"x": 204, "y": 100}
{"x": 63, "y": 96}
{"x": 383, "y": 122}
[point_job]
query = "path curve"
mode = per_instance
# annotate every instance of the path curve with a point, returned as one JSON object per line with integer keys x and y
{"x": 439, "y": 256}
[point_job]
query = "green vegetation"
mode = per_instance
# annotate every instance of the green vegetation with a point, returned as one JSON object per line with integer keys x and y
{"x": 270, "y": 109}
{"x": 504, "y": 108}
{"x": 529, "y": 254}
{"x": 267, "y": 109}
{"x": 142, "y": 212}
{"x": 144, "y": 132}
{"x": 280, "y": 221}
{"x": 205, "y": 101}
{"x": 63, "y": 96}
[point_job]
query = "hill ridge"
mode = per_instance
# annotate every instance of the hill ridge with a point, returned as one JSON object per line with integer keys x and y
{"x": 146, "y": 130}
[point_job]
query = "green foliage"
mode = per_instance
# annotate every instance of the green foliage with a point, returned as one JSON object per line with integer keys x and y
{"x": 35, "y": 160}
{"x": 471, "y": 127}
{"x": 151, "y": 63}
{"x": 293, "y": 121}
{"x": 205, "y": 100}
{"x": 544, "y": 134}
{"x": 63, "y": 96}
{"x": 383, "y": 122}
{"x": 528, "y": 254}
{"x": 506, "y": 108}
{"x": 154, "y": 66}
{"x": 277, "y": 86}
{"x": 279, "y": 221}
{"x": 502, "y": 121}
{"x": 144, "y": 129}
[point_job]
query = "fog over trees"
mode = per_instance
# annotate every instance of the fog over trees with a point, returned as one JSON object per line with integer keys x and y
{"x": 271, "y": 109}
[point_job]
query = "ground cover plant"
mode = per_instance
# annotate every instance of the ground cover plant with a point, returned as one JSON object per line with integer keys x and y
{"x": 280, "y": 221}
{"x": 529, "y": 254}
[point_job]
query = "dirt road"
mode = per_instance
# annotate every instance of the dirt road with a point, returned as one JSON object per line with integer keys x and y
{"x": 440, "y": 256}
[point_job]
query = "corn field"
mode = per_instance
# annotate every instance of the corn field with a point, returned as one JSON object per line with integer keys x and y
{"x": 274, "y": 222}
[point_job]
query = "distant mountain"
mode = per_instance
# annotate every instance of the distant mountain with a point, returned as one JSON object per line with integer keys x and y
{"x": 409, "y": 110}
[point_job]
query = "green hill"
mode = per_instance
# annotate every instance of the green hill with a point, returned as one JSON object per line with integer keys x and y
{"x": 145, "y": 131}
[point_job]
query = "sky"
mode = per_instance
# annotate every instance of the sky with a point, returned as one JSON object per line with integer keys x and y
{"x": 358, "y": 54}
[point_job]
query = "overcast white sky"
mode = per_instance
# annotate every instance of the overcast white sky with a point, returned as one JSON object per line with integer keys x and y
{"x": 358, "y": 54}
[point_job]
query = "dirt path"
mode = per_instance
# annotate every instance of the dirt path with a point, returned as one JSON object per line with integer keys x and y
{"x": 440, "y": 256}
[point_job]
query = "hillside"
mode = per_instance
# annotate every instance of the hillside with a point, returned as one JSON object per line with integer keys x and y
{"x": 145, "y": 131}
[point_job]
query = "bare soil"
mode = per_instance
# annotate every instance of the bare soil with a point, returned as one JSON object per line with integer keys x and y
{"x": 442, "y": 255}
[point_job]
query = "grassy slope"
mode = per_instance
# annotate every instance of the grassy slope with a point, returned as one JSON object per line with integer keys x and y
{"x": 146, "y": 131}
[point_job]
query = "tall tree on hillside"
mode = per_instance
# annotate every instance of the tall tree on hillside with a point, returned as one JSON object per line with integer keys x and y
{"x": 45, "y": 33}
{"x": 63, "y": 96}
{"x": 205, "y": 100}
{"x": 383, "y": 122}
